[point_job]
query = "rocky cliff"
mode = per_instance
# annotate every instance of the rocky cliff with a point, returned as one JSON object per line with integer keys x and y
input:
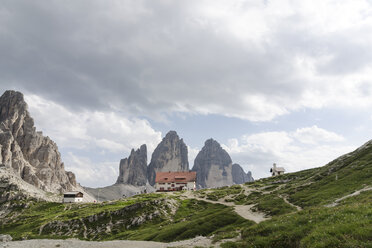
{"x": 32, "y": 156}
{"x": 239, "y": 175}
{"x": 213, "y": 166}
{"x": 169, "y": 155}
{"x": 133, "y": 170}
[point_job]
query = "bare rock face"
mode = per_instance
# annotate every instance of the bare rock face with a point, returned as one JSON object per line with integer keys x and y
{"x": 32, "y": 156}
{"x": 239, "y": 175}
{"x": 133, "y": 170}
{"x": 213, "y": 166}
{"x": 169, "y": 155}
{"x": 250, "y": 177}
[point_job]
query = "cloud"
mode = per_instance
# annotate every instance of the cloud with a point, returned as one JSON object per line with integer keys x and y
{"x": 92, "y": 174}
{"x": 254, "y": 60}
{"x": 297, "y": 150}
{"x": 192, "y": 153}
{"x": 92, "y": 142}
{"x": 89, "y": 130}
{"x": 314, "y": 135}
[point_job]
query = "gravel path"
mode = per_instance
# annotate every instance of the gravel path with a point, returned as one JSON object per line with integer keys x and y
{"x": 75, "y": 243}
{"x": 47, "y": 243}
{"x": 289, "y": 203}
{"x": 244, "y": 211}
{"x": 335, "y": 203}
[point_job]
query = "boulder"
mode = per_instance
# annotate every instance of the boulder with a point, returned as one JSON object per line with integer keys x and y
{"x": 5, "y": 238}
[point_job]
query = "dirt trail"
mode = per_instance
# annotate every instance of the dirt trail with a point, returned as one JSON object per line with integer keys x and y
{"x": 335, "y": 203}
{"x": 244, "y": 211}
{"x": 289, "y": 203}
{"x": 75, "y": 243}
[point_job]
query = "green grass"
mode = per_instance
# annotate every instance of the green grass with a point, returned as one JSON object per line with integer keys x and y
{"x": 216, "y": 194}
{"x": 347, "y": 225}
{"x": 323, "y": 185}
{"x": 192, "y": 218}
{"x": 40, "y": 213}
{"x": 273, "y": 205}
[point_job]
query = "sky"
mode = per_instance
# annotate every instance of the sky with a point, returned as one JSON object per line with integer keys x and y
{"x": 286, "y": 82}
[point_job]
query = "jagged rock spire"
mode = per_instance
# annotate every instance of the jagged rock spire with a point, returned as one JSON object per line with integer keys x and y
{"x": 133, "y": 170}
{"x": 169, "y": 155}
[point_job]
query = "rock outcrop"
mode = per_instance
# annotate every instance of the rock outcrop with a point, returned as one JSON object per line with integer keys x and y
{"x": 169, "y": 155}
{"x": 133, "y": 170}
{"x": 32, "y": 156}
{"x": 96, "y": 226}
{"x": 213, "y": 166}
{"x": 239, "y": 175}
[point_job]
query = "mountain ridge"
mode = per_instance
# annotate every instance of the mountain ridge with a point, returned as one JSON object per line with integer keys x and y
{"x": 32, "y": 156}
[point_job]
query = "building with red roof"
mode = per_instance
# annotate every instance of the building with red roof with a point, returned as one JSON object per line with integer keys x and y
{"x": 175, "y": 181}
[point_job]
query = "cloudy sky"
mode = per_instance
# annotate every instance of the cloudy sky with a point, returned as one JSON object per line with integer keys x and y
{"x": 273, "y": 81}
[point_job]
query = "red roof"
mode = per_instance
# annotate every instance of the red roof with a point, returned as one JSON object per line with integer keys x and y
{"x": 177, "y": 177}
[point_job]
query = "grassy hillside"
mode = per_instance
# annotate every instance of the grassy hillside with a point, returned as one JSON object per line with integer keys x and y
{"x": 347, "y": 225}
{"x": 157, "y": 217}
{"x": 306, "y": 209}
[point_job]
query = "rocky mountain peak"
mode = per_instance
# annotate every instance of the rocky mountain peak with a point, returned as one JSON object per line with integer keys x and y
{"x": 211, "y": 143}
{"x": 214, "y": 167}
{"x": 239, "y": 175}
{"x": 171, "y": 135}
{"x": 13, "y": 112}
{"x": 12, "y": 103}
{"x": 213, "y": 151}
{"x": 169, "y": 155}
{"x": 133, "y": 170}
{"x": 32, "y": 156}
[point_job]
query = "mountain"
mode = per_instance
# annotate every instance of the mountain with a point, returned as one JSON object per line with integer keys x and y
{"x": 214, "y": 168}
{"x": 132, "y": 179}
{"x": 30, "y": 155}
{"x": 239, "y": 175}
{"x": 133, "y": 170}
{"x": 169, "y": 155}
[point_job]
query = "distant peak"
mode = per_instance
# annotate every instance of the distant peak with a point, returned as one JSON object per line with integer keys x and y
{"x": 12, "y": 103}
{"x": 211, "y": 142}
{"x": 171, "y": 135}
{"x": 12, "y": 94}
